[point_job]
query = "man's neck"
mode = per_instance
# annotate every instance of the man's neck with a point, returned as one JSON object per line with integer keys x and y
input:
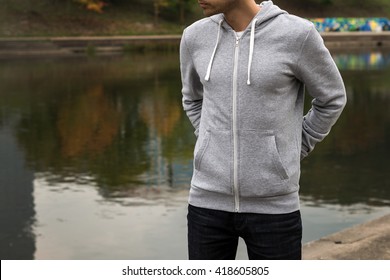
{"x": 241, "y": 15}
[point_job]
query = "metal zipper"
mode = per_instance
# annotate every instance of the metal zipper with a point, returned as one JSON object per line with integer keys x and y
{"x": 235, "y": 136}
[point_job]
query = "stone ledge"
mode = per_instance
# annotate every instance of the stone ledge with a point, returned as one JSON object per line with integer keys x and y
{"x": 368, "y": 241}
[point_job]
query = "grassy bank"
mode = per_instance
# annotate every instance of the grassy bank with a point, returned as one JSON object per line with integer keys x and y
{"x": 66, "y": 18}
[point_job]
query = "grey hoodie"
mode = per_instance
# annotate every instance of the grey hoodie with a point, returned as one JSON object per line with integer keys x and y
{"x": 245, "y": 97}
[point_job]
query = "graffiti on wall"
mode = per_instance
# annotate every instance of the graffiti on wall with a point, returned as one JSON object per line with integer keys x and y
{"x": 351, "y": 24}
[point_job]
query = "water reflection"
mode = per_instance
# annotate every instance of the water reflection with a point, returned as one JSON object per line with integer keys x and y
{"x": 104, "y": 125}
{"x": 362, "y": 61}
{"x": 90, "y": 127}
{"x": 17, "y": 212}
{"x": 101, "y": 152}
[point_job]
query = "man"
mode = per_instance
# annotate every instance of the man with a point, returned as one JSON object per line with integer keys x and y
{"x": 243, "y": 69}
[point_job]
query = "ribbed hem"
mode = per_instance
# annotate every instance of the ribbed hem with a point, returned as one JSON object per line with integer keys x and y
{"x": 280, "y": 204}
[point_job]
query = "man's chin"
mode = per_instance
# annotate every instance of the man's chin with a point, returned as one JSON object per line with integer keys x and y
{"x": 208, "y": 13}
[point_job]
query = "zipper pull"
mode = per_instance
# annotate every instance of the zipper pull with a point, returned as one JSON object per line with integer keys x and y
{"x": 237, "y": 40}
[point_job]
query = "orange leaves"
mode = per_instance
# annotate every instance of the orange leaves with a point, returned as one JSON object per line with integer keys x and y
{"x": 93, "y": 5}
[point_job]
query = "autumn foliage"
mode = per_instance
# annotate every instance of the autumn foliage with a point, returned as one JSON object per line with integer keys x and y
{"x": 93, "y": 5}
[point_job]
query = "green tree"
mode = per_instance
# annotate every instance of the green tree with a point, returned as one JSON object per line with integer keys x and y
{"x": 158, "y": 5}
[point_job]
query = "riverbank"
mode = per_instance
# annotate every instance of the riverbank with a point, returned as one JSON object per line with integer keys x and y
{"x": 60, "y": 46}
{"x": 20, "y": 18}
{"x": 367, "y": 241}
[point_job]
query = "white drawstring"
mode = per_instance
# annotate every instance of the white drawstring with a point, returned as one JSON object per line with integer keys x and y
{"x": 251, "y": 47}
{"x": 207, "y": 77}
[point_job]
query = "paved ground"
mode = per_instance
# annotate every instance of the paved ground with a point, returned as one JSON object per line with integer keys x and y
{"x": 368, "y": 241}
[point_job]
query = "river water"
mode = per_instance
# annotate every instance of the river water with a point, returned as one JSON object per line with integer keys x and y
{"x": 96, "y": 157}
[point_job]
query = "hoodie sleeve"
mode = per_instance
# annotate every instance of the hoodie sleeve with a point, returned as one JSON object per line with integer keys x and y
{"x": 192, "y": 88}
{"x": 322, "y": 79}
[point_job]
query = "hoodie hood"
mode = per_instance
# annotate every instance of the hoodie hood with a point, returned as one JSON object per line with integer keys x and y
{"x": 267, "y": 12}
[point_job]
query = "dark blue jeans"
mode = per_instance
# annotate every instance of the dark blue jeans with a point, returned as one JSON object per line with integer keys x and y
{"x": 213, "y": 235}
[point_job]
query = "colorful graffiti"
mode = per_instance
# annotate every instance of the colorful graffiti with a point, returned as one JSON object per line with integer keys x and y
{"x": 351, "y": 24}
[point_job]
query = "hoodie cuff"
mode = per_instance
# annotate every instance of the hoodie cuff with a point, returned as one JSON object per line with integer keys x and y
{"x": 303, "y": 153}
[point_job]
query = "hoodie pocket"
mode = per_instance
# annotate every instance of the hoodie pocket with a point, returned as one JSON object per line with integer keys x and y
{"x": 262, "y": 172}
{"x": 212, "y": 162}
{"x": 200, "y": 152}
